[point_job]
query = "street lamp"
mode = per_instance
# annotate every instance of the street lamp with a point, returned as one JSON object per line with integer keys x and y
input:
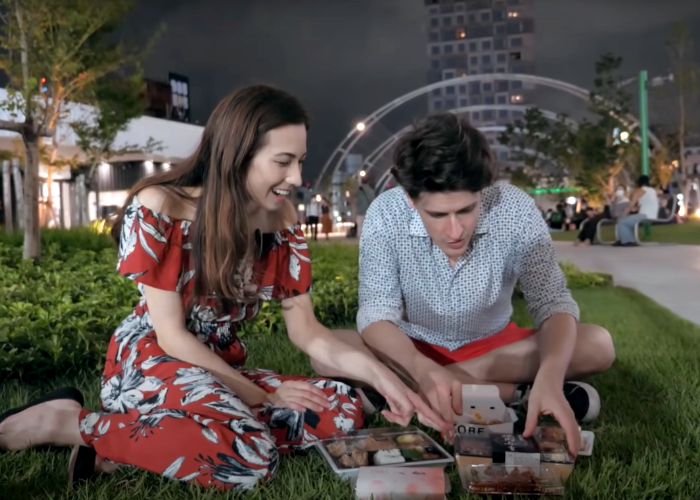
{"x": 360, "y": 126}
{"x": 362, "y": 173}
{"x": 624, "y": 136}
{"x": 644, "y": 110}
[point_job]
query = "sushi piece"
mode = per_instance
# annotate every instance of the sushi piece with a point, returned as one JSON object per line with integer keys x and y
{"x": 387, "y": 457}
{"x": 360, "y": 458}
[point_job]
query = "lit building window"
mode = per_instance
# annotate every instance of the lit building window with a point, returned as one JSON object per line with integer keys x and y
{"x": 516, "y": 98}
{"x": 461, "y": 33}
{"x": 513, "y": 14}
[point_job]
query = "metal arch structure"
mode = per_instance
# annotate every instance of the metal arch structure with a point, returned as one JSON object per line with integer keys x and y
{"x": 343, "y": 149}
{"x": 375, "y": 155}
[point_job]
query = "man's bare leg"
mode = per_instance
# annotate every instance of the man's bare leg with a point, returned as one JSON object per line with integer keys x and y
{"x": 505, "y": 367}
{"x": 519, "y": 362}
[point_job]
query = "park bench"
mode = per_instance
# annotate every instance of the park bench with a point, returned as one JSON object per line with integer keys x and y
{"x": 647, "y": 223}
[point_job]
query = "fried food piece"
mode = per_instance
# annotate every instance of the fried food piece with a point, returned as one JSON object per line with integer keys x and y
{"x": 337, "y": 449}
{"x": 413, "y": 439}
{"x": 347, "y": 462}
{"x": 374, "y": 444}
{"x": 360, "y": 458}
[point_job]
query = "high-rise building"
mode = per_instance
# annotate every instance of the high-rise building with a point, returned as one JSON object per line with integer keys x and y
{"x": 471, "y": 37}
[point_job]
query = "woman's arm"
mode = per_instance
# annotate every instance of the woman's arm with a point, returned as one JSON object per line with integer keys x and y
{"x": 634, "y": 199}
{"x": 311, "y": 337}
{"x": 168, "y": 317}
{"x": 307, "y": 334}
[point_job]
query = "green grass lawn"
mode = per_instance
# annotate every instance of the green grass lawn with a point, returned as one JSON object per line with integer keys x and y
{"x": 684, "y": 234}
{"x": 647, "y": 437}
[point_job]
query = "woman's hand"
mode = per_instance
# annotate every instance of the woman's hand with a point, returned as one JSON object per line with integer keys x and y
{"x": 299, "y": 396}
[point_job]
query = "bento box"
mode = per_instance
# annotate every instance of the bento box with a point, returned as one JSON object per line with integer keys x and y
{"x": 502, "y": 479}
{"x": 389, "y": 446}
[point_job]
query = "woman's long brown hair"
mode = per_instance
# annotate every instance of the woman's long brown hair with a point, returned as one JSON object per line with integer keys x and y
{"x": 220, "y": 233}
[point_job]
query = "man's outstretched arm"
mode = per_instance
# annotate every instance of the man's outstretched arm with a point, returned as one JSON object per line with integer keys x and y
{"x": 380, "y": 320}
{"x": 555, "y": 314}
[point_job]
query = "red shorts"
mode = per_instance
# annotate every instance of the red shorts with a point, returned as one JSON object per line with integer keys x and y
{"x": 509, "y": 335}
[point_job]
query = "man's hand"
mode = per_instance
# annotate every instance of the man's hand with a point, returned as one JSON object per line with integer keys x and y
{"x": 403, "y": 403}
{"x": 443, "y": 390}
{"x": 547, "y": 398}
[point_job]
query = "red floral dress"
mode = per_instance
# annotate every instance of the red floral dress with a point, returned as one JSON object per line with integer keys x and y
{"x": 176, "y": 419}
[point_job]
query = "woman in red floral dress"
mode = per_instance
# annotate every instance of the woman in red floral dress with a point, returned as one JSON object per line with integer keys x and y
{"x": 206, "y": 242}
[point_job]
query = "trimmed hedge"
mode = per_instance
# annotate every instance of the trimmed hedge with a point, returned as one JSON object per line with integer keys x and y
{"x": 56, "y": 317}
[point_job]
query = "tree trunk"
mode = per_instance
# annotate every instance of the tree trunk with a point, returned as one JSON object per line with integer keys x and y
{"x": 32, "y": 230}
{"x": 7, "y": 196}
{"x": 19, "y": 192}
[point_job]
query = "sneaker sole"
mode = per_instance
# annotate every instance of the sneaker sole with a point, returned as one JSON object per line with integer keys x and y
{"x": 593, "y": 402}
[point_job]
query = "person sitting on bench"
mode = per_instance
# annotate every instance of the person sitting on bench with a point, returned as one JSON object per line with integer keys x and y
{"x": 645, "y": 199}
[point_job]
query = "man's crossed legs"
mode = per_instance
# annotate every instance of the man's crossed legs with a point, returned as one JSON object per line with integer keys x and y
{"x": 513, "y": 367}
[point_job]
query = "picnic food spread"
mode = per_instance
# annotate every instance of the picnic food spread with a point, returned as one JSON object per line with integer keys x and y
{"x": 491, "y": 458}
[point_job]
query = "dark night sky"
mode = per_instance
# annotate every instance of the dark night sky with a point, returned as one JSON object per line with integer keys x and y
{"x": 345, "y": 58}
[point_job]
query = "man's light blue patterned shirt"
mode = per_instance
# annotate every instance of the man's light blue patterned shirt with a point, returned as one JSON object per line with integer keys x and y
{"x": 406, "y": 279}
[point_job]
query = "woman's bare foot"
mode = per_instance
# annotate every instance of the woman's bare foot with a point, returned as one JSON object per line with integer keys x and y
{"x": 50, "y": 423}
{"x": 104, "y": 467}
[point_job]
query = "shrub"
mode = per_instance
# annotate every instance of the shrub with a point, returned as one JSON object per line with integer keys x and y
{"x": 57, "y": 316}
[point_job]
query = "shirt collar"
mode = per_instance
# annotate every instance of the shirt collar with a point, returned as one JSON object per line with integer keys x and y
{"x": 417, "y": 228}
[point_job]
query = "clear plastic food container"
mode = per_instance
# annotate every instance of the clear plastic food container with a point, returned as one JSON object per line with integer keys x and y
{"x": 499, "y": 479}
{"x": 391, "y": 446}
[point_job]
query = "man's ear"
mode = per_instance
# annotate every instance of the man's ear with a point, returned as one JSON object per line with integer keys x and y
{"x": 410, "y": 201}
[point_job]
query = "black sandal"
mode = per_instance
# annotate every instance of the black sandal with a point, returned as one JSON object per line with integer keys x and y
{"x": 81, "y": 467}
{"x": 64, "y": 393}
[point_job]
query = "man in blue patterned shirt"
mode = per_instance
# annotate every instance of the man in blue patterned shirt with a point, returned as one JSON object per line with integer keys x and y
{"x": 439, "y": 258}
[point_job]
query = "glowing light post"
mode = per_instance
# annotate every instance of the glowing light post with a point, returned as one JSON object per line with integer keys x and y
{"x": 644, "y": 120}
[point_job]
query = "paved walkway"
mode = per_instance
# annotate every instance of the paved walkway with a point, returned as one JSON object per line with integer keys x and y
{"x": 669, "y": 274}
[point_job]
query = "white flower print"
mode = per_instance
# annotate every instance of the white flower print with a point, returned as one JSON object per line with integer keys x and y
{"x": 174, "y": 467}
{"x": 247, "y": 453}
{"x": 87, "y": 424}
{"x": 149, "y": 404}
{"x": 265, "y": 446}
{"x": 120, "y": 393}
{"x": 294, "y": 267}
{"x": 343, "y": 423}
{"x": 103, "y": 428}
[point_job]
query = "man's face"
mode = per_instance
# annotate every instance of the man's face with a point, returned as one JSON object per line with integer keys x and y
{"x": 450, "y": 219}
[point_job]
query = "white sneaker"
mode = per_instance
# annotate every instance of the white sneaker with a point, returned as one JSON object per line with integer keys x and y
{"x": 583, "y": 398}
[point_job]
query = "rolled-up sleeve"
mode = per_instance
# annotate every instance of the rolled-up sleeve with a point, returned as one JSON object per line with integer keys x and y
{"x": 379, "y": 288}
{"x": 541, "y": 279}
